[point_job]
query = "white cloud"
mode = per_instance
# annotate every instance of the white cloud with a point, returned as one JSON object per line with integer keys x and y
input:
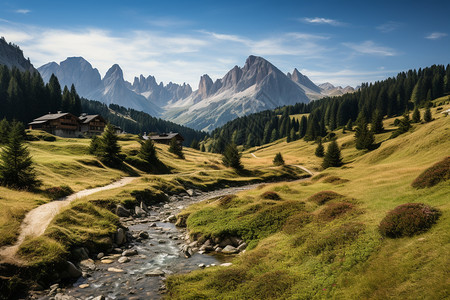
{"x": 318, "y": 20}
{"x": 389, "y": 26}
{"x": 436, "y": 35}
{"x": 22, "y": 11}
{"x": 370, "y": 48}
{"x": 168, "y": 22}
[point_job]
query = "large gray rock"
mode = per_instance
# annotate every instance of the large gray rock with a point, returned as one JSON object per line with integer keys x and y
{"x": 120, "y": 236}
{"x": 72, "y": 271}
{"x": 80, "y": 253}
{"x": 121, "y": 211}
{"x": 230, "y": 250}
{"x": 123, "y": 259}
{"x": 87, "y": 265}
{"x": 140, "y": 212}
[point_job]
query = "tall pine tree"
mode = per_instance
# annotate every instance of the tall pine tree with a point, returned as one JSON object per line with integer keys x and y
{"x": 332, "y": 156}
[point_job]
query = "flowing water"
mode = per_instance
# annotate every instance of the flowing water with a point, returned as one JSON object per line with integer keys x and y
{"x": 160, "y": 255}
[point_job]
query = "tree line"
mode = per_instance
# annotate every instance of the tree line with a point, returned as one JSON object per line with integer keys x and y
{"x": 370, "y": 104}
{"x": 24, "y": 96}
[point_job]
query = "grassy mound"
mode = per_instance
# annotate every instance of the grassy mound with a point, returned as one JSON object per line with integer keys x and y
{"x": 439, "y": 172}
{"x": 408, "y": 219}
{"x": 334, "y": 210}
{"x": 323, "y": 197}
{"x": 269, "y": 195}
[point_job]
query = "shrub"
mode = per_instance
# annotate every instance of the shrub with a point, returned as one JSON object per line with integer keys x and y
{"x": 334, "y": 210}
{"x": 149, "y": 197}
{"x": 57, "y": 192}
{"x": 335, "y": 180}
{"x": 408, "y": 219}
{"x": 296, "y": 222}
{"x": 270, "y": 195}
{"x": 49, "y": 138}
{"x": 433, "y": 175}
{"x": 278, "y": 160}
{"x": 322, "y": 197}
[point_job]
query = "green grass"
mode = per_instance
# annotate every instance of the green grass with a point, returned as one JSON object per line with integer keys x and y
{"x": 333, "y": 250}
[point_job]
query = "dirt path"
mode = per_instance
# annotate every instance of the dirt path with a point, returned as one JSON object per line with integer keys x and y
{"x": 253, "y": 155}
{"x": 305, "y": 169}
{"x": 38, "y": 219}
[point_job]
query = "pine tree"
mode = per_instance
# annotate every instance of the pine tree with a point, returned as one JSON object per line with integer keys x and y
{"x": 148, "y": 152}
{"x": 320, "y": 150}
{"x": 363, "y": 136}
{"x": 332, "y": 156}
{"x": 302, "y": 127}
{"x": 16, "y": 166}
{"x": 195, "y": 145}
{"x": 427, "y": 115}
{"x": 94, "y": 145}
{"x": 349, "y": 125}
{"x": 202, "y": 147}
{"x": 4, "y": 131}
{"x": 176, "y": 148}
{"x": 109, "y": 149}
{"x": 377, "y": 122}
{"x": 278, "y": 159}
{"x": 231, "y": 157}
{"x": 416, "y": 115}
{"x": 274, "y": 135}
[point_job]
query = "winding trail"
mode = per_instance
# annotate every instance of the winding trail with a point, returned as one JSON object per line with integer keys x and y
{"x": 37, "y": 220}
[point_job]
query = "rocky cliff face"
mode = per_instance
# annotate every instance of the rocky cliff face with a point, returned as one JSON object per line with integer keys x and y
{"x": 12, "y": 56}
{"x": 76, "y": 71}
{"x": 330, "y": 90}
{"x": 257, "y": 86}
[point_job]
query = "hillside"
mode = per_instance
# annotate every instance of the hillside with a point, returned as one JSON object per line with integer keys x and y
{"x": 333, "y": 250}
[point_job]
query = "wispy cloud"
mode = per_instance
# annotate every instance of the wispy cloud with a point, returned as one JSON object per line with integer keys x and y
{"x": 318, "y": 20}
{"x": 436, "y": 35}
{"x": 168, "y": 22}
{"x": 389, "y": 26}
{"x": 22, "y": 11}
{"x": 370, "y": 48}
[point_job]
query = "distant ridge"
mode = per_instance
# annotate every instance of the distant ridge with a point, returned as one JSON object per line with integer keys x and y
{"x": 12, "y": 56}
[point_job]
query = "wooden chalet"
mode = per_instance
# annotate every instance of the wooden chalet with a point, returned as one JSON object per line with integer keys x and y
{"x": 68, "y": 125}
{"x": 92, "y": 124}
{"x": 165, "y": 138}
{"x": 60, "y": 124}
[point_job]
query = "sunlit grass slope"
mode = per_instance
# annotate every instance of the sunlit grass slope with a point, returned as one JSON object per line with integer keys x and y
{"x": 332, "y": 249}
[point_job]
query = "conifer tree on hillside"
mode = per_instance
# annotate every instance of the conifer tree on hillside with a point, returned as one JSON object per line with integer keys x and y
{"x": 4, "y": 131}
{"x": 231, "y": 157}
{"x": 416, "y": 115}
{"x": 427, "y": 115}
{"x": 278, "y": 159}
{"x": 195, "y": 145}
{"x": 202, "y": 147}
{"x": 332, "y": 156}
{"x": 320, "y": 150}
{"x": 377, "y": 122}
{"x": 109, "y": 148}
{"x": 349, "y": 125}
{"x": 363, "y": 136}
{"x": 176, "y": 148}
{"x": 302, "y": 127}
{"x": 16, "y": 166}
{"x": 148, "y": 152}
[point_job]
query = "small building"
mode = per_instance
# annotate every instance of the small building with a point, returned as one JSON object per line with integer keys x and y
{"x": 60, "y": 124}
{"x": 92, "y": 124}
{"x": 165, "y": 138}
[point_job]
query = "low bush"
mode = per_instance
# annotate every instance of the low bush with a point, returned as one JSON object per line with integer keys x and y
{"x": 297, "y": 222}
{"x": 335, "y": 180}
{"x": 58, "y": 192}
{"x": 270, "y": 195}
{"x": 408, "y": 219}
{"x": 433, "y": 175}
{"x": 334, "y": 210}
{"x": 323, "y": 197}
{"x": 149, "y": 196}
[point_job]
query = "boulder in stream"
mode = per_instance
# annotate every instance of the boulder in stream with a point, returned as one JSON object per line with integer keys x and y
{"x": 121, "y": 211}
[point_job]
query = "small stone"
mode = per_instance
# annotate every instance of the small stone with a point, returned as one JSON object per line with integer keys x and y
{"x": 201, "y": 266}
{"x": 100, "y": 255}
{"x": 115, "y": 270}
{"x": 242, "y": 246}
{"x": 161, "y": 242}
{"x": 83, "y": 286}
{"x": 130, "y": 252}
{"x": 54, "y": 286}
{"x": 218, "y": 249}
{"x": 88, "y": 264}
{"x": 139, "y": 212}
{"x": 107, "y": 261}
{"x": 190, "y": 192}
{"x": 226, "y": 264}
{"x": 154, "y": 273}
{"x": 123, "y": 259}
{"x": 172, "y": 219}
{"x": 144, "y": 235}
{"x": 152, "y": 225}
{"x": 120, "y": 237}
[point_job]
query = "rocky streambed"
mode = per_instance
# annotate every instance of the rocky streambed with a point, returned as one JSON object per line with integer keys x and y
{"x": 150, "y": 248}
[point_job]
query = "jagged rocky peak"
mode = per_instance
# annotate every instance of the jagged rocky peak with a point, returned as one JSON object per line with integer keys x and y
{"x": 326, "y": 86}
{"x": 231, "y": 78}
{"x": 205, "y": 85}
{"x": 143, "y": 84}
{"x": 303, "y": 81}
{"x": 114, "y": 73}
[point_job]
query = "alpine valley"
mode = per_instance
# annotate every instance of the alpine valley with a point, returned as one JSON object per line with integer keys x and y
{"x": 257, "y": 86}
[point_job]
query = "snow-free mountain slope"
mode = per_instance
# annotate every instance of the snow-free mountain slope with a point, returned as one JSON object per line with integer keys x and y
{"x": 12, "y": 56}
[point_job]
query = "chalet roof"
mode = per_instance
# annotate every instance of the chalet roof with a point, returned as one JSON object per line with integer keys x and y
{"x": 166, "y": 136}
{"x": 38, "y": 122}
{"x": 51, "y": 117}
{"x": 85, "y": 119}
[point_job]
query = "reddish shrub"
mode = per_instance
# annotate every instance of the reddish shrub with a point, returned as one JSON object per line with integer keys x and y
{"x": 408, "y": 219}
{"x": 297, "y": 222}
{"x": 270, "y": 195}
{"x": 433, "y": 175}
{"x": 334, "y": 210}
{"x": 322, "y": 197}
{"x": 57, "y": 192}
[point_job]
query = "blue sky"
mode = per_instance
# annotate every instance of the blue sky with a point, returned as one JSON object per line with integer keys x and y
{"x": 342, "y": 42}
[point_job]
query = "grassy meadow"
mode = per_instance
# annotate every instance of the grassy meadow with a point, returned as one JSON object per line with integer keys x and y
{"x": 301, "y": 247}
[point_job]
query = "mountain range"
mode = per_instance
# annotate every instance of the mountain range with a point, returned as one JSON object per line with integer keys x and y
{"x": 257, "y": 86}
